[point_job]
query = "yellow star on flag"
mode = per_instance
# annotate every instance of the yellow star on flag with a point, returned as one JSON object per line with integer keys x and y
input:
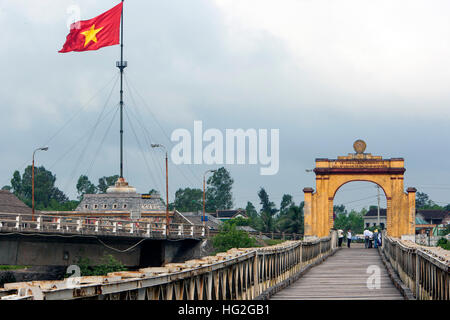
{"x": 90, "y": 34}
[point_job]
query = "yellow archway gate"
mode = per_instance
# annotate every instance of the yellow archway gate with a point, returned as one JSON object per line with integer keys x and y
{"x": 331, "y": 174}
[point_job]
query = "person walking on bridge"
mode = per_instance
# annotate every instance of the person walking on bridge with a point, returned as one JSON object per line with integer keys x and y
{"x": 340, "y": 236}
{"x": 366, "y": 237}
{"x": 375, "y": 238}
{"x": 349, "y": 237}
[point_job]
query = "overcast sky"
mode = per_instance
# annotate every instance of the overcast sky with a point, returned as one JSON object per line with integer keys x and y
{"x": 324, "y": 73}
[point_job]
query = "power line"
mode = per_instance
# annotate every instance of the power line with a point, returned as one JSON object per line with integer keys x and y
{"x": 82, "y": 108}
{"x": 102, "y": 141}
{"x": 148, "y": 109}
{"x": 148, "y": 133}
{"x": 78, "y": 162}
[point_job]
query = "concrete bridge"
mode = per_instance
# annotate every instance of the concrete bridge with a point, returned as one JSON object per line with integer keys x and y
{"x": 61, "y": 240}
{"x": 293, "y": 269}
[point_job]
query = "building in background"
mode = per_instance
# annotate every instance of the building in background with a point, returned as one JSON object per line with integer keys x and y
{"x": 371, "y": 218}
{"x": 9, "y": 203}
{"x": 224, "y": 215}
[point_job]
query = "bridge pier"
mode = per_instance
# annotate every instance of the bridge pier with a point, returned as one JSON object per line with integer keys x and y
{"x": 52, "y": 250}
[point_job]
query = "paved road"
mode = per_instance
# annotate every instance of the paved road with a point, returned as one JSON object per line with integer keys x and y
{"x": 344, "y": 276}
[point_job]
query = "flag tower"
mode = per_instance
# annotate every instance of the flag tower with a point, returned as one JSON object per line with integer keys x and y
{"x": 121, "y": 65}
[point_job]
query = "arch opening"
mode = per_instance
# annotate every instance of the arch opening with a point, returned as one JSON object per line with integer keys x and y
{"x": 359, "y": 205}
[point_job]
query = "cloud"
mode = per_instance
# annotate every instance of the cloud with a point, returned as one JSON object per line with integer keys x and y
{"x": 323, "y": 72}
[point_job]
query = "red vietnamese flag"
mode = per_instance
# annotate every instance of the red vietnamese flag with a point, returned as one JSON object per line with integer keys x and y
{"x": 93, "y": 34}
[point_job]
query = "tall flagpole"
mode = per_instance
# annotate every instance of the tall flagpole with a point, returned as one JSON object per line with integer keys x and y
{"x": 121, "y": 65}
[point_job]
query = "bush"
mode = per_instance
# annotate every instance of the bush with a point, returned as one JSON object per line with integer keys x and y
{"x": 271, "y": 242}
{"x": 443, "y": 243}
{"x": 110, "y": 264}
{"x": 229, "y": 237}
{"x": 11, "y": 267}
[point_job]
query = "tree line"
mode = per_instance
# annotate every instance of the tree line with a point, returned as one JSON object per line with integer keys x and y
{"x": 287, "y": 217}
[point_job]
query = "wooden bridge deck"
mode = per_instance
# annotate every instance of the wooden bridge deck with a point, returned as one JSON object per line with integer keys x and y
{"x": 342, "y": 276}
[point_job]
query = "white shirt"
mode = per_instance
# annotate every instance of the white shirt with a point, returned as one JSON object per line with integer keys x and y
{"x": 340, "y": 233}
{"x": 367, "y": 233}
{"x": 349, "y": 235}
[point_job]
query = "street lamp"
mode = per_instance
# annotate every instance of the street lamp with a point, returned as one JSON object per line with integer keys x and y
{"x": 204, "y": 183}
{"x": 32, "y": 181}
{"x": 157, "y": 145}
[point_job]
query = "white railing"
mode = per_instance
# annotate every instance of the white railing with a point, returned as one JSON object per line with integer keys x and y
{"x": 97, "y": 226}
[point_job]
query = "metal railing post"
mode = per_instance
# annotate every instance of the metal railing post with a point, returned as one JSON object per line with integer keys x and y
{"x": 147, "y": 233}
{"x": 39, "y": 223}
{"x": 18, "y": 220}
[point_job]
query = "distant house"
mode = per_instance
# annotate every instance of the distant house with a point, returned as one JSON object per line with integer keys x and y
{"x": 371, "y": 218}
{"x": 247, "y": 229}
{"x": 224, "y": 215}
{"x": 435, "y": 217}
{"x": 425, "y": 219}
{"x": 9, "y": 203}
{"x": 196, "y": 218}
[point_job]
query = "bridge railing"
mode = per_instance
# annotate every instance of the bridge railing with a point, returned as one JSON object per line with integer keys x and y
{"x": 238, "y": 274}
{"x": 97, "y": 226}
{"x": 426, "y": 274}
{"x": 265, "y": 235}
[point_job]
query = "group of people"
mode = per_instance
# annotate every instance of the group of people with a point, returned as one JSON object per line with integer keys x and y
{"x": 341, "y": 237}
{"x": 371, "y": 239}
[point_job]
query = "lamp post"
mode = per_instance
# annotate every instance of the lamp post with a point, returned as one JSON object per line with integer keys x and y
{"x": 32, "y": 181}
{"x": 156, "y": 145}
{"x": 204, "y": 186}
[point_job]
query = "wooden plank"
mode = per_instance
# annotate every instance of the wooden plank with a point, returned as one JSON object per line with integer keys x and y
{"x": 343, "y": 276}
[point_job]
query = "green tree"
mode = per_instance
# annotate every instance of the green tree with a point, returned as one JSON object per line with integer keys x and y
{"x": 293, "y": 220}
{"x": 250, "y": 210}
{"x": 105, "y": 182}
{"x": 188, "y": 200}
{"x": 16, "y": 184}
{"x": 339, "y": 209}
{"x": 254, "y": 219}
{"x": 353, "y": 220}
{"x": 218, "y": 192}
{"x": 230, "y": 237}
{"x": 45, "y": 190}
{"x": 267, "y": 212}
{"x": 84, "y": 185}
{"x": 423, "y": 201}
{"x": 286, "y": 203}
